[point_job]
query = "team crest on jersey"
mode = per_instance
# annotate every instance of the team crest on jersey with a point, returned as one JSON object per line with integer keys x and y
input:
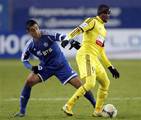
{"x": 100, "y": 40}
{"x": 45, "y": 44}
{"x": 100, "y": 28}
{"x": 39, "y": 53}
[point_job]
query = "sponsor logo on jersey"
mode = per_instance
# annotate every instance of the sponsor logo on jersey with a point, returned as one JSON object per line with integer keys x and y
{"x": 46, "y": 52}
{"x": 39, "y": 53}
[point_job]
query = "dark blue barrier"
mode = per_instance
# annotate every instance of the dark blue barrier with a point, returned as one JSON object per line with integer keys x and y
{"x": 66, "y": 14}
{"x": 4, "y": 16}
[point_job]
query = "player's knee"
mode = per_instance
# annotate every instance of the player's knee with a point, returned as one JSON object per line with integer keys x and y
{"x": 90, "y": 82}
{"x": 106, "y": 85}
{"x": 89, "y": 86}
{"x": 30, "y": 82}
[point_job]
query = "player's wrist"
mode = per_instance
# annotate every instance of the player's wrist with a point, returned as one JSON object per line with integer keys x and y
{"x": 111, "y": 67}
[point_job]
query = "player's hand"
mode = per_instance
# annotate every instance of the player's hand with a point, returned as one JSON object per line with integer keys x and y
{"x": 35, "y": 69}
{"x": 64, "y": 43}
{"x": 74, "y": 44}
{"x": 114, "y": 72}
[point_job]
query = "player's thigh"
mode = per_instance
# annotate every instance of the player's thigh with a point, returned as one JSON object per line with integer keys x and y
{"x": 65, "y": 73}
{"x": 32, "y": 79}
{"x": 102, "y": 77}
{"x": 44, "y": 73}
{"x": 76, "y": 82}
{"x": 85, "y": 65}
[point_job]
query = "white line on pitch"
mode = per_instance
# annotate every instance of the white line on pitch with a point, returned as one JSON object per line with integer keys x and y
{"x": 64, "y": 99}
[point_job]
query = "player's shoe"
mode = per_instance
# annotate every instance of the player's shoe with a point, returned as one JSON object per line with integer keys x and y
{"x": 68, "y": 110}
{"x": 19, "y": 114}
{"x": 98, "y": 114}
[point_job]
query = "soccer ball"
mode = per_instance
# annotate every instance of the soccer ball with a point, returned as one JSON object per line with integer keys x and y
{"x": 109, "y": 110}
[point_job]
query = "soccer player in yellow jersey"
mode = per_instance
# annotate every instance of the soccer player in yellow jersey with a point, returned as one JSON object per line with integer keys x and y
{"x": 90, "y": 68}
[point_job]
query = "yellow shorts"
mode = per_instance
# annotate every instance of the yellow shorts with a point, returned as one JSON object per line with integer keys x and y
{"x": 90, "y": 65}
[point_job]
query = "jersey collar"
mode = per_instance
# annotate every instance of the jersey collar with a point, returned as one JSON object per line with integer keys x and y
{"x": 99, "y": 19}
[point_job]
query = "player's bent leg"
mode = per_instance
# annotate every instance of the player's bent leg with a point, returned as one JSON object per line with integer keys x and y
{"x": 76, "y": 82}
{"x": 101, "y": 96}
{"x": 32, "y": 79}
{"x": 102, "y": 93}
{"x": 89, "y": 84}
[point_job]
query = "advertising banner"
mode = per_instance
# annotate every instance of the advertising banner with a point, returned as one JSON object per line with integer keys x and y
{"x": 120, "y": 44}
{"x": 11, "y": 44}
{"x": 65, "y": 14}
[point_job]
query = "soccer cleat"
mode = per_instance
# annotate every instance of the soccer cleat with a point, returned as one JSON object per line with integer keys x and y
{"x": 67, "y": 109}
{"x": 19, "y": 114}
{"x": 98, "y": 114}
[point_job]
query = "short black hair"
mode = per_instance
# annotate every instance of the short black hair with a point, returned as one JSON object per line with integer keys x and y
{"x": 103, "y": 9}
{"x": 30, "y": 23}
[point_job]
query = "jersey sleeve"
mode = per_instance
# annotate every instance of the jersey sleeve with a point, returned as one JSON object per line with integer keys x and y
{"x": 59, "y": 37}
{"x": 88, "y": 24}
{"x": 73, "y": 33}
{"x": 105, "y": 59}
{"x": 53, "y": 36}
{"x": 26, "y": 55}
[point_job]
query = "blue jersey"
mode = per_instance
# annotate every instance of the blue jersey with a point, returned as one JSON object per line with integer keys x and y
{"x": 45, "y": 49}
{"x": 52, "y": 60}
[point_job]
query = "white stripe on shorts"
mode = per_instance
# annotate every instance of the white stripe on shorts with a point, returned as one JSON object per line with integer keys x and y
{"x": 40, "y": 77}
{"x": 69, "y": 78}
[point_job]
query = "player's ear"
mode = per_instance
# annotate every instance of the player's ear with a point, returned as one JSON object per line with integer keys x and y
{"x": 28, "y": 30}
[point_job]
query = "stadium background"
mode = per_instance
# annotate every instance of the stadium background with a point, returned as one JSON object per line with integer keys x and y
{"x": 123, "y": 46}
{"x": 123, "y": 39}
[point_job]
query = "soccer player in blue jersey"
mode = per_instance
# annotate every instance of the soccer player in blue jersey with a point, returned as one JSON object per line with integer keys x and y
{"x": 44, "y": 46}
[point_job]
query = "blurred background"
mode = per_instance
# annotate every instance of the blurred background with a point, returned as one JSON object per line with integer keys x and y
{"x": 123, "y": 47}
{"x": 124, "y": 28}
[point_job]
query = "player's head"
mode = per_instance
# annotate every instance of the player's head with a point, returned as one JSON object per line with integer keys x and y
{"x": 32, "y": 28}
{"x": 104, "y": 12}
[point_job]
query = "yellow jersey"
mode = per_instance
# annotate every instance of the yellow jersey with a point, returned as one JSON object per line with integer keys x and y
{"x": 94, "y": 34}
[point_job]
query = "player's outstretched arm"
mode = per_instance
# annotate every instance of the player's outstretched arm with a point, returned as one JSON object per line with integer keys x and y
{"x": 69, "y": 39}
{"x": 85, "y": 26}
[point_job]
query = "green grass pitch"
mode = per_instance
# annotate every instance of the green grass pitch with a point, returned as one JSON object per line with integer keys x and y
{"x": 48, "y": 98}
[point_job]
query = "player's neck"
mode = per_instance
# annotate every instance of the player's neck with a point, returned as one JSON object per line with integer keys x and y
{"x": 37, "y": 38}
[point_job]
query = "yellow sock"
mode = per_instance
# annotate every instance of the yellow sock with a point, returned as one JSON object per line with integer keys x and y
{"x": 79, "y": 92}
{"x": 101, "y": 96}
